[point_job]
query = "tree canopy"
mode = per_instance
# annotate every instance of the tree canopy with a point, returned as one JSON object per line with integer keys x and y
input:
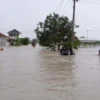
{"x": 25, "y": 41}
{"x": 54, "y": 31}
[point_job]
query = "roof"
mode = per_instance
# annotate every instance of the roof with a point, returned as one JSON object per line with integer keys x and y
{"x": 14, "y": 31}
{"x": 4, "y": 36}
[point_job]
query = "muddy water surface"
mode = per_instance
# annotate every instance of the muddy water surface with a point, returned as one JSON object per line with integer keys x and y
{"x": 28, "y": 73}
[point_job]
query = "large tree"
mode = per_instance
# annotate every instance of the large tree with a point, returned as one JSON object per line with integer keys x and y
{"x": 54, "y": 31}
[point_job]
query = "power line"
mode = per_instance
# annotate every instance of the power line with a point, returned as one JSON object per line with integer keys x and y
{"x": 59, "y": 6}
{"x": 67, "y": 9}
{"x": 65, "y": 5}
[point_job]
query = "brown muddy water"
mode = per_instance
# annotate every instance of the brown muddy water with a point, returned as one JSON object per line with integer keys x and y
{"x": 28, "y": 73}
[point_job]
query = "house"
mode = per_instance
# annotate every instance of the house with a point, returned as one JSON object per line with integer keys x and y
{"x": 3, "y": 40}
{"x": 14, "y": 34}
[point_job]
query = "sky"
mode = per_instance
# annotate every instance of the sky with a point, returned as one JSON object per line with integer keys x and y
{"x": 24, "y": 15}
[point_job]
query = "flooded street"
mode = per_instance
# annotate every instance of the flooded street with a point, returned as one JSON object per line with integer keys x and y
{"x": 28, "y": 73}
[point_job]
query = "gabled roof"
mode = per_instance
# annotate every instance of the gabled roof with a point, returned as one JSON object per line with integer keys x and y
{"x": 14, "y": 31}
{"x": 3, "y": 36}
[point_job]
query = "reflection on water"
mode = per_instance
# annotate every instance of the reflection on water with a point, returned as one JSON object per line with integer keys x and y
{"x": 28, "y": 73}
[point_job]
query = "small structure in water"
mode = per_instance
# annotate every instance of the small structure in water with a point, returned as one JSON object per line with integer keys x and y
{"x": 34, "y": 42}
{"x": 99, "y": 52}
{"x": 64, "y": 51}
{"x": 1, "y": 49}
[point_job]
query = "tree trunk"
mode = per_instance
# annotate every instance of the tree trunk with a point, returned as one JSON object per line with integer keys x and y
{"x": 58, "y": 47}
{"x": 71, "y": 51}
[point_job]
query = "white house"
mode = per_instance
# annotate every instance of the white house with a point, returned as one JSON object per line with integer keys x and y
{"x": 13, "y": 34}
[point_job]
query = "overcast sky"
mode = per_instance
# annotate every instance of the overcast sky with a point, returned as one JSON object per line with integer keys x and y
{"x": 25, "y": 14}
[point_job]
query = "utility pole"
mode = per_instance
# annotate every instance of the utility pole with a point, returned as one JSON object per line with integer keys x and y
{"x": 87, "y": 34}
{"x": 73, "y": 20}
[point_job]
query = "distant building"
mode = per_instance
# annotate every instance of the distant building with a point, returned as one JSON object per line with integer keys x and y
{"x": 3, "y": 40}
{"x": 85, "y": 40}
{"x": 13, "y": 34}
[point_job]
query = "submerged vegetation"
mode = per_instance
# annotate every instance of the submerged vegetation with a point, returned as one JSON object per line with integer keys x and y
{"x": 89, "y": 44}
{"x": 20, "y": 41}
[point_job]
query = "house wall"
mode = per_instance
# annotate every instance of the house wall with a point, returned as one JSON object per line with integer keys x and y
{"x": 13, "y": 36}
{"x": 3, "y": 42}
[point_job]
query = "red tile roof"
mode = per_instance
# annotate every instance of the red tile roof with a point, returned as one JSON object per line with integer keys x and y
{"x": 4, "y": 36}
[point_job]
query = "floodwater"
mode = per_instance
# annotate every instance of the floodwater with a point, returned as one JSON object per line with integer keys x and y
{"x": 28, "y": 73}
